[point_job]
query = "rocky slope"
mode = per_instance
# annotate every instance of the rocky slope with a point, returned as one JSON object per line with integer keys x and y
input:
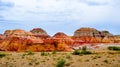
{"x": 40, "y": 33}
{"x": 61, "y": 41}
{"x": 18, "y": 40}
{"x": 38, "y": 39}
{"x": 91, "y": 35}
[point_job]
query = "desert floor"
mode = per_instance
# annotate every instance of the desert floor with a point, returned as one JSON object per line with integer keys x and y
{"x": 99, "y": 58}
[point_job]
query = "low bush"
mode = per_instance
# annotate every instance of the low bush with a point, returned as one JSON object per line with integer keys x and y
{"x": 68, "y": 56}
{"x": 54, "y": 52}
{"x": 29, "y": 52}
{"x": 61, "y": 63}
{"x": 114, "y": 48}
{"x": 44, "y": 53}
{"x": 85, "y": 52}
{"x": 2, "y": 55}
{"x": 76, "y": 52}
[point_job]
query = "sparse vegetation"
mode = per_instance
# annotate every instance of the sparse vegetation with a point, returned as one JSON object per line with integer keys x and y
{"x": 84, "y": 48}
{"x": 44, "y": 53}
{"x": 100, "y": 58}
{"x": 68, "y": 56}
{"x": 95, "y": 57}
{"x": 114, "y": 48}
{"x": 106, "y": 61}
{"x": 87, "y": 60}
{"x": 54, "y": 52}
{"x": 30, "y": 52}
{"x": 68, "y": 63}
{"x": 84, "y": 51}
{"x": 37, "y": 63}
{"x": 61, "y": 63}
{"x": 76, "y": 52}
{"x": 2, "y": 55}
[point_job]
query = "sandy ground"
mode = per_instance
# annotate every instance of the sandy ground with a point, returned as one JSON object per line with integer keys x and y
{"x": 100, "y": 58}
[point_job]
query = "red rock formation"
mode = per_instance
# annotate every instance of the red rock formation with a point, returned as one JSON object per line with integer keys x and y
{"x": 91, "y": 35}
{"x": 1, "y": 38}
{"x": 17, "y": 33}
{"x": 18, "y": 40}
{"x": 38, "y": 40}
{"x": 117, "y": 38}
{"x": 106, "y": 34}
{"x": 18, "y": 43}
{"x": 38, "y": 32}
{"x": 61, "y": 41}
{"x": 60, "y": 38}
{"x": 87, "y": 35}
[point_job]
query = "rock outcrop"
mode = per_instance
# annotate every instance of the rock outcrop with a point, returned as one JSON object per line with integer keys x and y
{"x": 117, "y": 38}
{"x": 61, "y": 41}
{"x": 17, "y": 33}
{"x": 106, "y": 34}
{"x": 91, "y": 35}
{"x": 1, "y": 36}
{"x": 87, "y": 32}
{"x": 18, "y": 40}
{"x": 38, "y": 39}
{"x": 60, "y": 38}
{"x": 38, "y": 32}
{"x": 21, "y": 40}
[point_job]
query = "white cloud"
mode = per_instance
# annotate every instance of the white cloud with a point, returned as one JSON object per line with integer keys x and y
{"x": 49, "y": 13}
{"x": 51, "y": 9}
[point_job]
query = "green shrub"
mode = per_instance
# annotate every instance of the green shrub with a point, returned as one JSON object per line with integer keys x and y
{"x": 44, "y": 54}
{"x": 106, "y": 61}
{"x": 61, "y": 63}
{"x": 84, "y": 48}
{"x": 54, "y": 52}
{"x": 76, "y": 52}
{"x": 68, "y": 56}
{"x": 2, "y": 55}
{"x": 85, "y": 52}
{"x": 29, "y": 52}
{"x": 114, "y": 48}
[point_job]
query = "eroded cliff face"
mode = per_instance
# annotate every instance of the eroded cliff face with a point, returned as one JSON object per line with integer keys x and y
{"x": 18, "y": 40}
{"x": 61, "y": 41}
{"x": 91, "y": 35}
{"x": 17, "y": 33}
{"x": 21, "y": 40}
{"x": 60, "y": 38}
{"x": 1, "y": 38}
{"x": 38, "y": 39}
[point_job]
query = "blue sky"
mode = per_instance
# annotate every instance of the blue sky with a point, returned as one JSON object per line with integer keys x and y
{"x": 60, "y": 15}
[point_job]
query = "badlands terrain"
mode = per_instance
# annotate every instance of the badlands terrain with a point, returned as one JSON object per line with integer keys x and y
{"x": 36, "y": 48}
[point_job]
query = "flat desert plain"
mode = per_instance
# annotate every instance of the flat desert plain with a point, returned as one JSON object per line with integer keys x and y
{"x": 98, "y": 58}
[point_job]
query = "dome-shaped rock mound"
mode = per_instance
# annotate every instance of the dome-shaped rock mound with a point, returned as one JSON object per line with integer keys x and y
{"x": 17, "y": 32}
{"x": 38, "y": 32}
{"x": 60, "y": 35}
{"x": 87, "y": 32}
